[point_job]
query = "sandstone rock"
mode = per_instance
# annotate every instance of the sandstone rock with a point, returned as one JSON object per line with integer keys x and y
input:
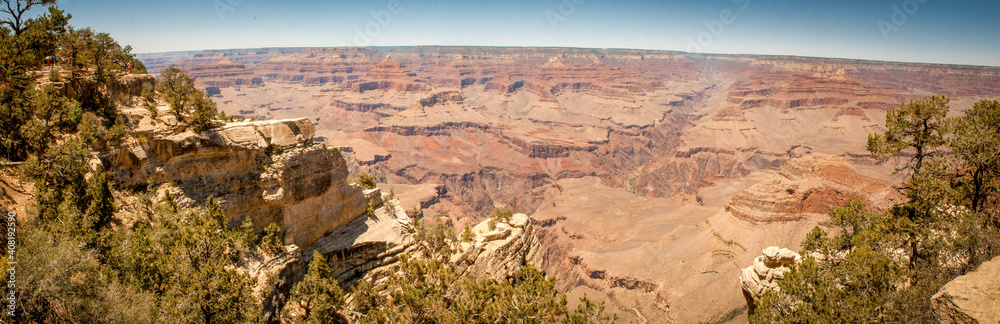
{"x": 497, "y": 256}
{"x": 972, "y": 298}
{"x": 761, "y": 277}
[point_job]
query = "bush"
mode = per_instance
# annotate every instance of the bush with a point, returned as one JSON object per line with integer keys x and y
{"x": 502, "y": 215}
{"x": 429, "y": 291}
{"x": 271, "y": 243}
{"x": 467, "y": 235}
{"x": 366, "y": 181}
{"x": 318, "y": 294}
{"x": 54, "y": 75}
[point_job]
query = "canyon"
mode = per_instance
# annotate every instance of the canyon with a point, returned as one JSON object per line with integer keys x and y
{"x": 652, "y": 177}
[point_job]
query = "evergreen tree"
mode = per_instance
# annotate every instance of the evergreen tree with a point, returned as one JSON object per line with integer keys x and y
{"x": 318, "y": 294}
{"x": 186, "y": 102}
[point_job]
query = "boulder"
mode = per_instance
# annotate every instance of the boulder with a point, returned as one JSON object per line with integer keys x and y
{"x": 972, "y": 298}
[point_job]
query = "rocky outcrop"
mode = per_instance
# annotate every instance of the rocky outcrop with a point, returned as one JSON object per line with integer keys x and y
{"x": 268, "y": 171}
{"x": 369, "y": 242}
{"x": 499, "y": 252}
{"x": 441, "y": 98}
{"x": 762, "y": 276}
{"x": 972, "y": 298}
{"x": 120, "y": 88}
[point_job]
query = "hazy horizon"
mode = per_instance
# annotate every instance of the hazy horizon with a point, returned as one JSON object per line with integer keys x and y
{"x": 917, "y": 31}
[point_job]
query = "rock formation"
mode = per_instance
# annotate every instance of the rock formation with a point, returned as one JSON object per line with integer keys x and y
{"x": 498, "y": 254}
{"x": 766, "y": 270}
{"x": 368, "y": 242}
{"x": 971, "y": 298}
{"x": 268, "y": 171}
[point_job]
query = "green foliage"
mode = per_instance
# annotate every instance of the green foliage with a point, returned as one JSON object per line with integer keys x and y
{"x": 840, "y": 286}
{"x": 366, "y": 181}
{"x": 528, "y": 297}
{"x": 415, "y": 295}
{"x": 502, "y": 215}
{"x": 437, "y": 239}
{"x": 187, "y": 103}
{"x": 370, "y": 210}
{"x": 65, "y": 282}
{"x": 24, "y": 43}
{"x": 92, "y": 131}
{"x": 102, "y": 207}
{"x": 271, "y": 243}
{"x": 428, "y": 291}
{"x": 318, "y": 294}
{"x": 467, "y": 235}
{"x": 204, "y": 111}
{"x": 186, "y": 259}
{"x": 215, "y": 212}
{"x": 974, "y": 145}
{"x": 177, "y": 89}
{"x": 915, "y": 128}
{"x": 589, "y": 312}
{"x": 59, "y": 174}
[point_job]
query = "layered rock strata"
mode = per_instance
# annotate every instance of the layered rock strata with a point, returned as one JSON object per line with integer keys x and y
{"x": 809, "y": 185}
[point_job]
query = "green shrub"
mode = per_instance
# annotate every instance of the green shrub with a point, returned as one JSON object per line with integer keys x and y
{"x": 54, "y": 75}
{"x": 271, "y": 243}
{"x": 467, "y": 235}
{"x": 366, "y": 181}
{"x": 502, "y": 215}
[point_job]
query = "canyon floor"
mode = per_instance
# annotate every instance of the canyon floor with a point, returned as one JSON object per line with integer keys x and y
{"x": 653, "y": 177}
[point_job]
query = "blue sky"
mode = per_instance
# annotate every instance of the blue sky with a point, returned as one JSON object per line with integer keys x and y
{"x": 934, "y": 31}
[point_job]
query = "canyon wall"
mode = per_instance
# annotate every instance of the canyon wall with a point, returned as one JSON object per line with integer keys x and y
{"x": 652, "y": 176}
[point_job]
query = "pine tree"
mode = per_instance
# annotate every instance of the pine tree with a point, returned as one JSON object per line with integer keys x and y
{"x": 318, "y": 294}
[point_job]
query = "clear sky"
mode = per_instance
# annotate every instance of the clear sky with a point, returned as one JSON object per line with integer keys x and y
{"x": 934, "y": 31}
